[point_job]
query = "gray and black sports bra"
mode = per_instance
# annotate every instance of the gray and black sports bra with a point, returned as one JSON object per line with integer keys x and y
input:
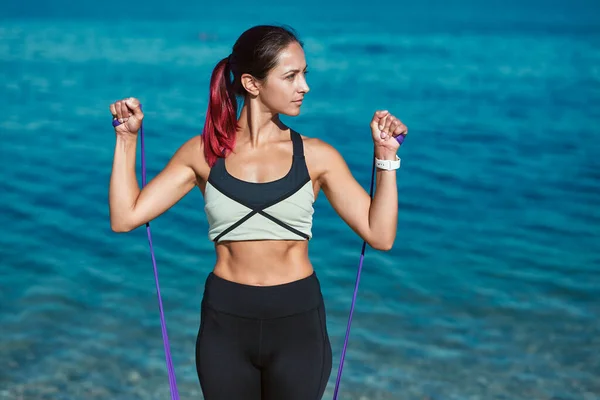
{"x": 278, "y": 210}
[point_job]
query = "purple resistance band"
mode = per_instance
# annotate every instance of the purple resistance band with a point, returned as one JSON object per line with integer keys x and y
{"x": 400, "y": 139}
{"x": 172, "y": 381}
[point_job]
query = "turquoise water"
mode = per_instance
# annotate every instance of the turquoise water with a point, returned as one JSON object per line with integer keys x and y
{"x": 491, "y": 290}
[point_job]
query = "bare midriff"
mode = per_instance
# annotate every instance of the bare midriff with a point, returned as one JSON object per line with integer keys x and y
{"x": 263, "y": 262}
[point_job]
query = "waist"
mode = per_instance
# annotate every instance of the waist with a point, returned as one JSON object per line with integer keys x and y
{"x": 262, "y": 302}
{"x": 263, "y": 263}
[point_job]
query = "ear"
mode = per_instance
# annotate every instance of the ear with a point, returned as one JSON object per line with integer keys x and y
{"x": 250, "y": 83}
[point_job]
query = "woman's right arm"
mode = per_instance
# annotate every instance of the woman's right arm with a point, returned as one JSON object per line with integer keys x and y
{"x": 129, "y": 206}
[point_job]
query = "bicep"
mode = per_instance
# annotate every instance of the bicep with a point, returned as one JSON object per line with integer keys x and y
{"x": 168, "y": 187}
{"x": 347, "y": 197}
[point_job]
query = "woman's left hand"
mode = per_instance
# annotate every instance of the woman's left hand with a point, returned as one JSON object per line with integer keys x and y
{"x": 385, "y": 129}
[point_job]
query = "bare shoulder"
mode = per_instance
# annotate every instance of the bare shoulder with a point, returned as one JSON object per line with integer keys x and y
{"x": 320, "y": 156}
{"x": 315, "y": 147}
{"x": 191, "y": 153}
{"x": 193, "y": 145}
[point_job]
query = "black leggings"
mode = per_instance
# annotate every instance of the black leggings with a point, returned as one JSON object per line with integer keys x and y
{"x": 263, "y": 343}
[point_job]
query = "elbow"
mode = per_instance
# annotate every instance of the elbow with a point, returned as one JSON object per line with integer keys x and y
{"x": 120, "y": 226}
{"x": 382, "y": 245}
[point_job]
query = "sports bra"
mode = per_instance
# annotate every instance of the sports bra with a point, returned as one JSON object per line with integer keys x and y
{"x": 277, "y": 210}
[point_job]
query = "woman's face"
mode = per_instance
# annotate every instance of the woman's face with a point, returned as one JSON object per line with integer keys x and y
{"x": 285, "y": 86}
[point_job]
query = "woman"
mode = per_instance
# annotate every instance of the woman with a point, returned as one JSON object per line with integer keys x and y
{"x": 263, "y": 330}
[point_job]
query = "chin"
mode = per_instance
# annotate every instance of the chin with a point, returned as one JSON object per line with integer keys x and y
{"x": 292, "y": 112}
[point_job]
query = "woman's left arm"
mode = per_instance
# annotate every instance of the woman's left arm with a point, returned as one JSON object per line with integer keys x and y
{"x": 374, "y": 220}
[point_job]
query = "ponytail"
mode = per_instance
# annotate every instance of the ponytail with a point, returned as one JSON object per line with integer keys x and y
{"x": 221, "y": 116}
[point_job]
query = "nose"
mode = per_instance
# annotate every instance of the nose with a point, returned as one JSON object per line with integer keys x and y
{"x": 304, "y": 88}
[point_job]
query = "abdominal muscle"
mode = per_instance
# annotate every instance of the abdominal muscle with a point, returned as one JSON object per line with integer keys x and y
{"x": 263, "y": 263}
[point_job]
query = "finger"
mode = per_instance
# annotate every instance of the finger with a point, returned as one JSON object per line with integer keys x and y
{"x": 135, "y": 108}
{"x": 382, "y": 122}
{"x": 387, "y": 127}
{"x": 388, "y": 130}
{"x": 378, "y": 115}
{"x": 124, "y": 110}
{"x": 118, "y": 112}
{"x": 382, "y": 132}
{"x": 401, "y": 129}
{"x": 388, "y": 122}
{"x": 394, "y": 126}
{"x": 132, "y": 103}
{"x": 113, "y": 110}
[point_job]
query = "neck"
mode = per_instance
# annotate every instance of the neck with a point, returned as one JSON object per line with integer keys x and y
{"x": 257, "y": 125}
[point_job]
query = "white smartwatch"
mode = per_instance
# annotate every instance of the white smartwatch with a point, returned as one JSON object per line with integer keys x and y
{"x": 388, "y": 164}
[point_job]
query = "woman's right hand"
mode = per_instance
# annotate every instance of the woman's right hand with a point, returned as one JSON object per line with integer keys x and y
{"x": 130, "y": 115}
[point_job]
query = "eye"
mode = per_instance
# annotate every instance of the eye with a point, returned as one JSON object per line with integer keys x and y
{"x": 291, "y": 77}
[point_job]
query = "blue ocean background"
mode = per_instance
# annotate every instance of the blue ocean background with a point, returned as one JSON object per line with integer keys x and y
{"x": 492, "y": 289}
